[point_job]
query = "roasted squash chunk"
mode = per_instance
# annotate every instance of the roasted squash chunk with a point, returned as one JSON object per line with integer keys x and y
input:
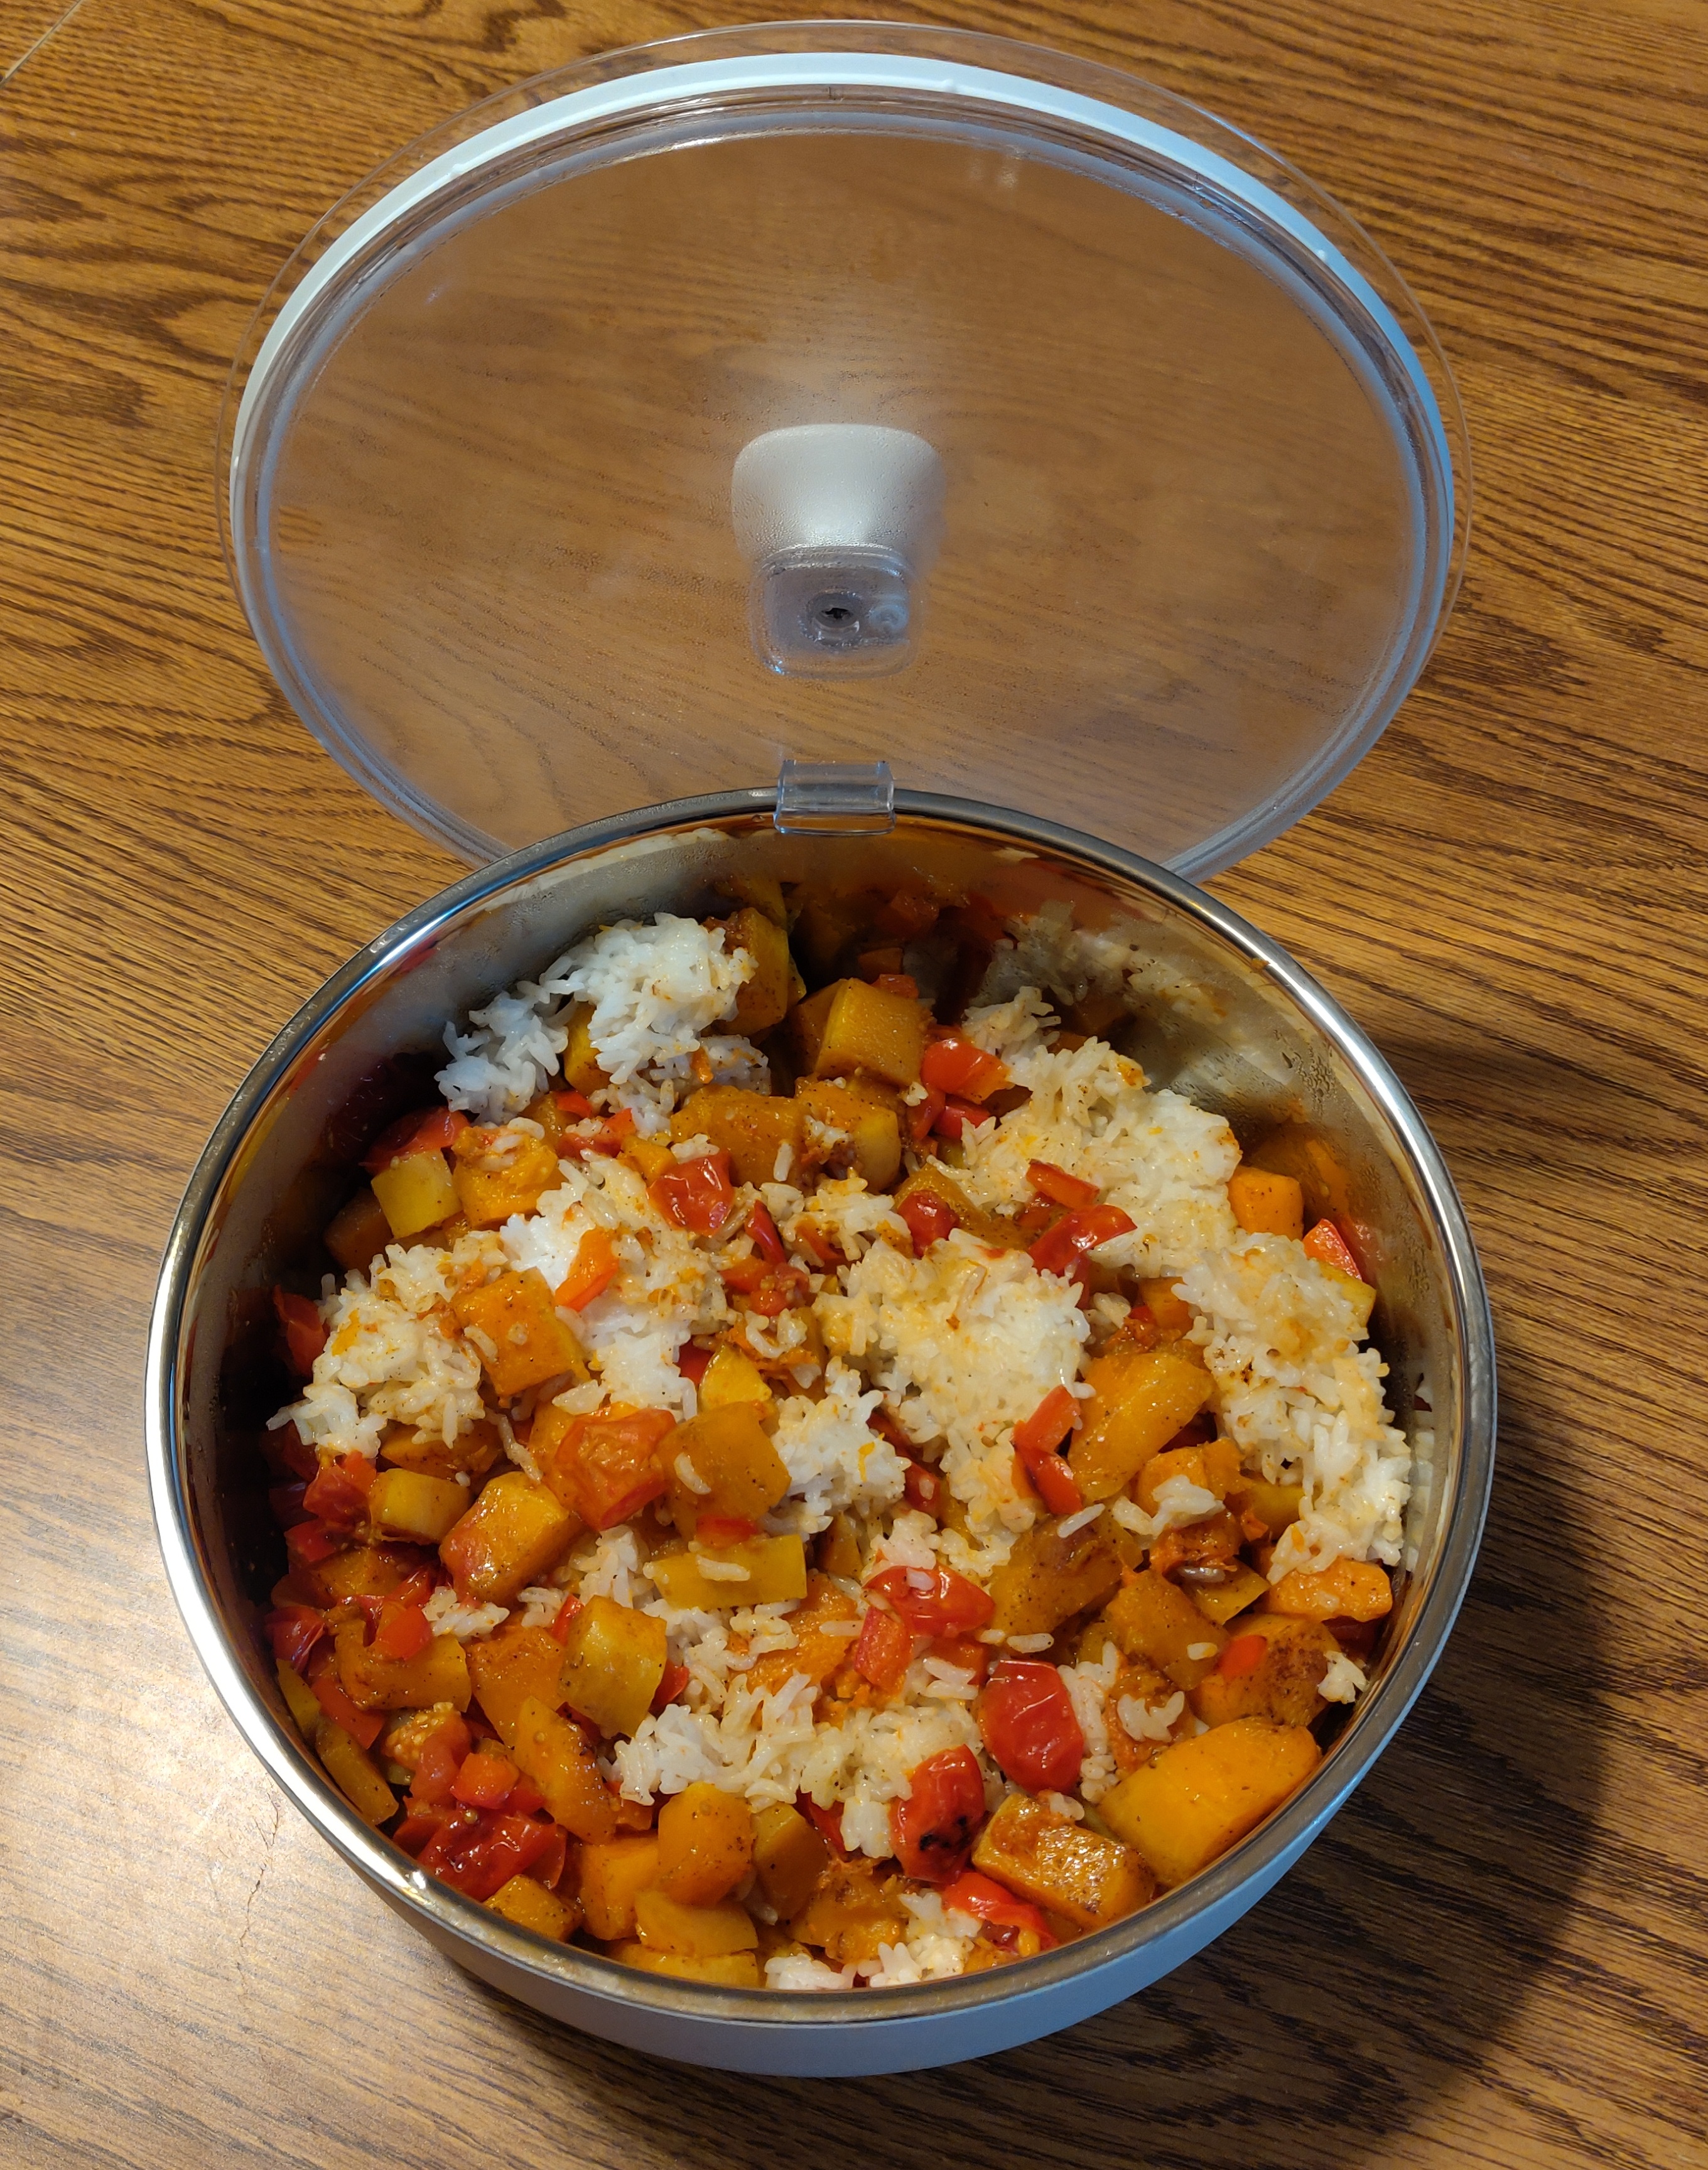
{"x": 1220, "y": 1601}
{"x": 351, "y": 1770}
{"x": 581, "y": 1065}
{"x": 664, "y": 1924}
{"x": 728, "y": 1452}
{"x": 1213, "y": 1467}
{"x": 473, "y": 1451}
{"x": 731, "y": 1377}
{"x": 1142, "y": 1397}
{"x": 1154, "y": 1619}
{"x": 763, "y": 1000}
{"x": 402, "y": 1503}
{"x": 510, "y": 1667}
{"x": 1283, "y": 1685}
{"x": 555, "y": 1753}
{"x": 705, "y": 1844}
{"x": 754, "y": 1128}
{"x": 1350, "y": 1590}
{"x": 1266, "y": 1205}
{"x": 819, "y": 1646}
{"x": 614, "y": 1660}
{"x": 612, "y": 1873}
{"x": 440, "y": 1673}
{"x": 514, "y": 1532}
{"x": 499, "y": 1174}
{"x": 934, "y": 1180}
{"x": 874, "y": 1131}
{"x": 788, "y": 1857}
{"x": 359, "y": 1231}
{"x": 1048, "y": 1578}
{"x": 530, "y": 1906}
{"x": 1056, "y": 1863}
{"x": 416, "y": 1193}
{"x": 722, "y": 1969}
{"x": 852, "y": 1911}
{"x": 773, "y": 1571}
{"x": 849, "y": 1025}
{"x": 1196, "y": 1799}
{"x": 513, "y": 1321}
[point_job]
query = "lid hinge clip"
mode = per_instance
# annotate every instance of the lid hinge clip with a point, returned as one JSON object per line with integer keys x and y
{"x": 838, "y": 798}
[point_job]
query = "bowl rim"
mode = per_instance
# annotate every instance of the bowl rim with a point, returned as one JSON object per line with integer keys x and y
{"x": 449, "y": 1916}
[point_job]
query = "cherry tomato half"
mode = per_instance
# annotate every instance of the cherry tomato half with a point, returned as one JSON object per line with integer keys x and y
{"x": 934, "y": 1828}
{"x": 929, "y": 1219}
{"x": 1026, "y": 1721}
{"x": 697, "y": 1194}
{"x": 934, "y": 1600}
{"x": 1059, "y": 1249}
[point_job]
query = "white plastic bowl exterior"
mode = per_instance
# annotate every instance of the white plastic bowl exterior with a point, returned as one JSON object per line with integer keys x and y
{"x": 266, "y": 1183}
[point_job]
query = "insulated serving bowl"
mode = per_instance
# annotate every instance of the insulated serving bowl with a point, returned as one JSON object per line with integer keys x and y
{"x": 1241, "y": 1028}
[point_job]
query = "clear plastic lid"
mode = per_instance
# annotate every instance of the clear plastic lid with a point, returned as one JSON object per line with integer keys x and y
{"x": 844, "y": 393}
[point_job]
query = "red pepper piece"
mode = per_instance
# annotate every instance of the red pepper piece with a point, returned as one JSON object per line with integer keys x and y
{"x": 964, "y": 1652}
{"x": 575, "y": 1104}
{"x": 934, "y": 1600}
{"x": 957, "y": 1116}
{"x": 691, "y": 1362}
{"x": 437, "y": 1762}
{"x": 1244, "y": 1655}
{"x": 308, "y": 1543}
{"x": 1062, "y": 1189}
{"x": 292, "y": 1631}
{"x": 1026, "y": 1721}
{"x": 485, "y": 1781}
{"x": 987, "y": 1901}
{"x": 404, "y": 1631}
{"x": 827, "y": 1822}
{"x": 363, "y": 1726}
{"x": 566, "y": 1613}
{"x": 594, "y": 1270}
{"x": 305, "y": 1335}
{"x": 883, "y": 1651}
{"x": 922, "y": 1116}
{"x": 429, "y": 1129}
{"x": 1329, "y": 1247}
{"x": 924, "y": 1487}
{"x": 1059, "y": 1249}
{"x": 766, "y": 1240}
{"x": 933, "y": 1828}
{"x": 956, "y": 1066}
{"x": 697, "y": 1194}
{"x": 339, "y": 1494}
{"x": 929, "y": 1219}
{"x": 676, "y": 1679}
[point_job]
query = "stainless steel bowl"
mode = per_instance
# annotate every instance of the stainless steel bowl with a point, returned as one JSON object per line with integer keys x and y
{"x": 1262, "y": 1043}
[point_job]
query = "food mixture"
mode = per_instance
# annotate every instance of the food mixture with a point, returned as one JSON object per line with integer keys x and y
{"x": 827, "y": 1490}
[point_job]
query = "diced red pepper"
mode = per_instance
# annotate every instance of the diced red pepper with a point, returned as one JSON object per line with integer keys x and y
{"x": 429, "y": 1129}
{"x": 691, "y": 1362}
{"x": 766, "y": 1240}
{"x": 308, "y": 1543}
{"x": 719, "y": 1531}
{"x": 305, "y": 1335}
{"x": 697, "y": 1194}
{"x": 1059, "y": 1249}
{"x": 957, "y": 1067}
{"x": 898, "y": 983}
{"x": 934, "y": 1600}
{"x": 964, "y": 1652}
{"x": 566, "y": 1613}
{"x": 591, "y": 1272}
{"x": 955, "y": 1116}
{"x": 609, "y": 1462}
{"x": 885, "y": 1425}
{"x": 1062, "y": 1189}
{"x": 1329, "y": 1247}
{"x": 783, "y": 1288}
{"x": 923, "y": 1487}
{"x": 987, "y": 1901}
{"x": 676, "y": 1679}
{"x": 742, "y": 1276}
{"x": 525, "y": 1797}
{"x": 363, "y": 1726}
{"x": 1048, "y": 1425}
{"x": 610, "y": 1135}
{"x": 417, "y": 1827}
{"x": 575, "y": 1104}
{"x": 933, "y": 1828}
{"x": 339, "y": 1494}
{"x": 929, "y": 1219}
{"x": 484, "y": 1780}
{"x": 1054, "y": 1482}
{"x": 292, "y": 1631}
{"x": 1140, "y": 1326}
{"x": 922, "y": 1116}
{"x": 883, "y": 1651}
{"x": 404, "y": 1631}
{"x": 482, "y": 1855}
{"x": 1026, "y": 1721}
{"x": 827, "y": 1822}
{"x": 1244, "y": 1655}
{"x": 812, "y": 1237}
{"x": 437, "y": 1762}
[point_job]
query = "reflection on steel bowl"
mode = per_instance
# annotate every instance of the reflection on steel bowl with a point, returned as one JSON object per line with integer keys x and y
{"x": 782, "y": 1416}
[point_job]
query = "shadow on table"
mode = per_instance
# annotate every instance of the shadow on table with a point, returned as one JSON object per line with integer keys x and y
{"x": 1378, "y": 1976}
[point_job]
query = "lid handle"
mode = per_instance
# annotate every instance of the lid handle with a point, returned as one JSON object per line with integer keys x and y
{"x": 841, "y": 522}
{"x": 841, "y": 797}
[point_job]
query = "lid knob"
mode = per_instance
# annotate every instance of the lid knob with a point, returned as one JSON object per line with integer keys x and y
{"x": 841, "y": 522}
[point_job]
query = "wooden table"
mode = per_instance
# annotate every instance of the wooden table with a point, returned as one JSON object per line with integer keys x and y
{"x": 1496, "y": 1953}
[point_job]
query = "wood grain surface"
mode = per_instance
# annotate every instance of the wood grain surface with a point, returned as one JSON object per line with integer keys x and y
{"x": 1496, "y": 1956}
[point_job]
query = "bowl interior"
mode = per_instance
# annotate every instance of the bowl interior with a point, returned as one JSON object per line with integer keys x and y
{"x": 1225, "y": 1017}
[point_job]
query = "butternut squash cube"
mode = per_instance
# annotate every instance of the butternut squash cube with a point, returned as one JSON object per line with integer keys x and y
{"x": 514, "y": 1666}
{"x": 874, "y": 1131}
{"x": 514, "y": 1323}
{"x": 1223, "y": 1601}
{"x": 851, "y": 1912}
{"x": 366, "y": 1570}
{"x": 1141, "y": 1399}
{"x": 762, "y": 1000}
{"x": 1213, "y": 1468}
{"x": 722, "y": 1969}
{"x": 705, "y": 1844}
{"x": 773, "y": 1572}
{"x": 934, "y": 1180}
{"x": 789, "y": 1857}
{"x": 351, "y": 1770}
{"x": 580, "y": 1065}
{"x": 818, "y": 1647}
{"x": 730, "y": 1378}
{"x": 650, "y": 1158}
{"x": 300, "y": 1700}
{"x": 359, "y": 1231}
{"x": 751, "y": 1127}
{"x": 849, "y": 1025}
{"x": 1173, "y": 1315}
{"x": 1059, "y": 1864}
{"x": 512, "y": 1534}
{"x": 1276, "y": 1507}
{"x": 1048, "y": 1578}
{"x": 473, "y": 1451}
{"x": 1197, "y": 1799}
{"x": 1154, "y": 1619}
{"x": 613, "y": 1659}
{"x": 494, "y": 1182}
{"x": 421, "y": 1510}
{"x": 1284, "y": 1687}
{"x": 439, "y": 1674}
{"x": 416, "y": 1193}
{"x": 613, "y": 1872}
{"x": 664, "y": 1924}
{"x": 1350, "y": 1590}
{"x": 730, "y": 1452}
{"x": 555, "y": 1753}
{"x": 530, "y": 1906}
{"x": 1266, "y": 1205}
